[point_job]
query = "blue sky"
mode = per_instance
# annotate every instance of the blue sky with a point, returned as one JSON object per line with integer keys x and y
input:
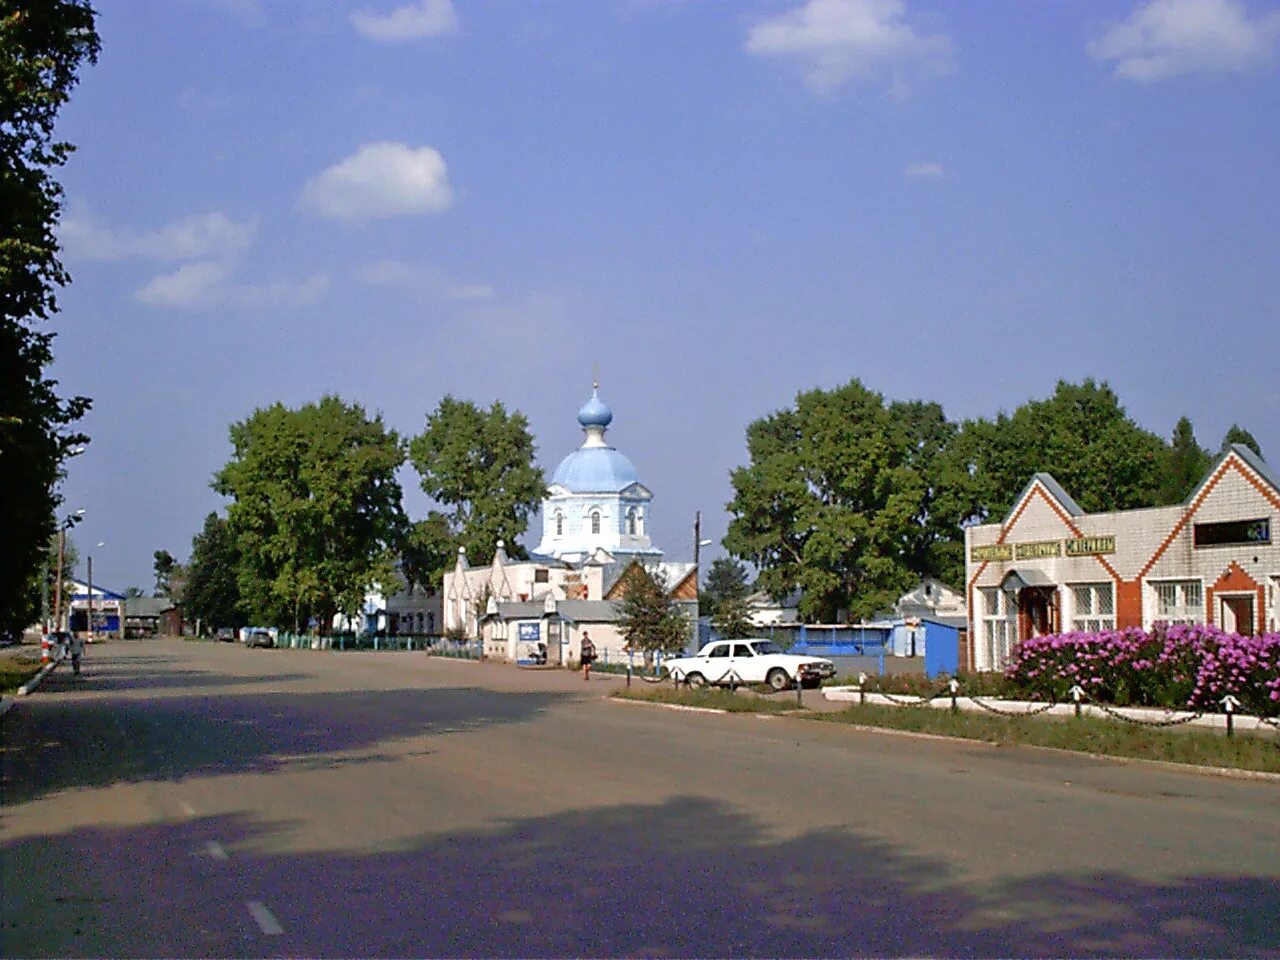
{"x": 714, "y": 204}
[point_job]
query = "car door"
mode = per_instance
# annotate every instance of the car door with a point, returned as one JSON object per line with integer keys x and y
{"x": 746, "y": 664}
{"x": 716, "y": 663}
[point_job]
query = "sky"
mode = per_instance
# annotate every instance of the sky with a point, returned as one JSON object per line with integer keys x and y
{"x": 711, "y": 206}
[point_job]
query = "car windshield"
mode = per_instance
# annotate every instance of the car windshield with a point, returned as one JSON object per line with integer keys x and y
{"x": 763, "y": 647}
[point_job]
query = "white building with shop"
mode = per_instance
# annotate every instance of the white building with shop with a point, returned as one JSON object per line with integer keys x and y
{"x": 1049, "y": 567}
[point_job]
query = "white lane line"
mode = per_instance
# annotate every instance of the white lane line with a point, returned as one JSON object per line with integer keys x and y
{"x": 187, "y": 809}
{"x": 267, "y": 922}
{"x": 215, "y": 850}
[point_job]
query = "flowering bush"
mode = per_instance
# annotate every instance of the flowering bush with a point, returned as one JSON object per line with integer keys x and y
{"x": 1168, "y": 666}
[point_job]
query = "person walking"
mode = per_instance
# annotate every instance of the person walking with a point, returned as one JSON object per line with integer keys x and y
{"x": 77, "y": 652}
{"x": 587, "y": 656}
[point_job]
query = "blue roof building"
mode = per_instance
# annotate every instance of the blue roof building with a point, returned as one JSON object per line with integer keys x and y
{"x": 595, "y": 500}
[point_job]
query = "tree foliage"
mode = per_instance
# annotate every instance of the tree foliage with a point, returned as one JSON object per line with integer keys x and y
{"x": 726, "y": 580}
{"x": 315, "y": 512}
{"x": 649, "y": 618}
{"x": 1185, "y": 465}
{"x": 732, "y": 618}
{"x": 42, "y": 47}
{"x": 213, "y": 577}
{"x": 839, "y": 499}
{"x": 163, "y": 564}
{"x": 479, "y": 466}
{"x": 1238, "y": 434}
{"x": 1081, "y": 435}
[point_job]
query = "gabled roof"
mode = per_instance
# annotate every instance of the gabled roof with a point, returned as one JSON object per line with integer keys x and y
{"x": 1054, "y": 490}
{"x": 146, "y": 606}
{"x": 1254, "y": 462}
{"x": 519, "y": 610}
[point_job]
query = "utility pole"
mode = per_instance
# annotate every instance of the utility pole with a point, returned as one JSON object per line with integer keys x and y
{"x": 91, "y": 598}
{"x": 697, "y": 537}
{"x": 57, "y": 583}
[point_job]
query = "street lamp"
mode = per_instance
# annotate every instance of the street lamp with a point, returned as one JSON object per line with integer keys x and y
{"x": 91, "y": 627}
{"x": 67, "y": 524}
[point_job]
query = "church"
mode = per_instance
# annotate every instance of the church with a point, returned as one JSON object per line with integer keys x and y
{"x": 595, "y": 522}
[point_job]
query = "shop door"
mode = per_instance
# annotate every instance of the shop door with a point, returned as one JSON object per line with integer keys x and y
{"x": 1036, "y": 612}
{"x": 1237, "y": 615}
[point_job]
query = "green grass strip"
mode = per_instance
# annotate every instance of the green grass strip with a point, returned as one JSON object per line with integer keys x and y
{"x": 14, "y": 673}
{"x": 1244, "y": 751}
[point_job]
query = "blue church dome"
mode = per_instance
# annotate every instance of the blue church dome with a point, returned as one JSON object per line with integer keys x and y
{"x": 594, "y": 413}
{"x": 595, "y": 470}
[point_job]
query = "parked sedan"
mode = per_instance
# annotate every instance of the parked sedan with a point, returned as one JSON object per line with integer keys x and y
{"x": 260, "y": 638}
{"x": 751, "y": 660}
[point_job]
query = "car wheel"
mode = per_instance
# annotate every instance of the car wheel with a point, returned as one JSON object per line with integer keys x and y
{"x": 778, "y": 679}
{"x": 696, "y": 680}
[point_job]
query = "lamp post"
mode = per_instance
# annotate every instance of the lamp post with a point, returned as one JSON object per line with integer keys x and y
{"x": 698, "y": 544}
{"x": 92, "y": 631}
{"x": 68, "y": 523}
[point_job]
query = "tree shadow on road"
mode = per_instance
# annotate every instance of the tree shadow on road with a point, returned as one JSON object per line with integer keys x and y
{"x": 688, "y": 877}
{"x": 55, "y": 745}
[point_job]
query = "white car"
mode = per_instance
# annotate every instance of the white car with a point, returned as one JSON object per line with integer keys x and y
{"x": 750, "y": 660}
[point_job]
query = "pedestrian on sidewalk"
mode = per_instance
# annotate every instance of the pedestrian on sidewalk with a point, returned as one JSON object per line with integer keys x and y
{"x": 587, "y": 656}
{"x": 77, "y": 651}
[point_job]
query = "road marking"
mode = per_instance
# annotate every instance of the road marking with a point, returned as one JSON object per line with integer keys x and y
{"x": 215, "y": 849}
{"x": 187, "y": 808}
{"x": 267, "y": 922}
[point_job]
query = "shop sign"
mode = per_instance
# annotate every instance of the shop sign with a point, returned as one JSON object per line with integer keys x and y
{"x": 991, "y": 551}
{"x": 1038, "y": 550}
{"x": 1090, "y": 546}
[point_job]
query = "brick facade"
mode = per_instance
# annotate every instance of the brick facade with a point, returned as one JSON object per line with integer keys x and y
{"x": 1127, "y": 568}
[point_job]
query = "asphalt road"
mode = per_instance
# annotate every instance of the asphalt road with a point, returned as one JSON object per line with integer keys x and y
{"x": 184, "y": 799}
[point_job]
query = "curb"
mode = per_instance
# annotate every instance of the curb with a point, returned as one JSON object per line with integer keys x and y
{"x": 666, "y": 706}
{"x": 34, "y": 682}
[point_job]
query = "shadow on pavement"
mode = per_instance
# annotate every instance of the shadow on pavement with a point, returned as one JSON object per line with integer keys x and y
{"x": 684, "y": 878}
{"x": 65, "y": 744}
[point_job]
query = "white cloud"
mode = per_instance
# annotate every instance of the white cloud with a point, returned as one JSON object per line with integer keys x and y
{"x": 200, "y": 236}
{"x": 837, "y": 40}
{"x": 208, "y": 284}
{"x": 935, "y": 171}
{"x": 381, "y": 180}
{"x": 1166, "y": 38}
{"x": 421, "y": 280}
{"x": 413, "y": 21}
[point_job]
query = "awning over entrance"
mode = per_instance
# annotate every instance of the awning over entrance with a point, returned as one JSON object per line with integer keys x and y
{"x": 1016, "y": 580}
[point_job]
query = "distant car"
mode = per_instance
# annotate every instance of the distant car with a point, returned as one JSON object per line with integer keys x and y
{"x": 750, "y": 660}
{"x": 226, "y": 634}
{"x": 260, "y": 638}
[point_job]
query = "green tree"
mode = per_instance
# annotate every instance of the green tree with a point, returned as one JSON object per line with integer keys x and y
{"x": 212, "y": 592}
{"x": 42, "y": 591}
{"x": 479, "y": 466}
{"x": 1081, "y": 435}
{"x": 164, "y": 565}
{"x": 315, "y": 513}
{"x": 839, "y": 499}
{"x": 43, "y": 44}
{"x": 1238, "y": 434}
{"x": 1185, "y": 464}
{"x": 133, "y": 593}
{"x": 732, "y": 618}
{"x": 726, "y": 579}
{"x": 649, "y": 618}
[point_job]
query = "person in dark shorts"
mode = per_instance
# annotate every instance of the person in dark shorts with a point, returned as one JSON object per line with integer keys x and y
{"x": 588, "y": 655}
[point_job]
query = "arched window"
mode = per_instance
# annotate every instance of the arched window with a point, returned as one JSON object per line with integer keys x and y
{"x": 631, "y": 521}
{"x": 595, "y": 521}
{"x": 559, "y": 524}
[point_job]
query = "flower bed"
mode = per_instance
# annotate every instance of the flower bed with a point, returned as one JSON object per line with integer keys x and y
{"x": 1174, "y": 667}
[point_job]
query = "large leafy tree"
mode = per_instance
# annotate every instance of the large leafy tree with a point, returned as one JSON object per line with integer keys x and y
{"x": 315, "y": 513}
{"x": 649, "y": 618}
{"x": 43, "y": 44}
{"x": 1081, "y": 435}
{"x": 213, "y": 577}
{"x": 839, "y": 500}
{"x": 478, "y": 465}
{"x": 1184, "y": 466}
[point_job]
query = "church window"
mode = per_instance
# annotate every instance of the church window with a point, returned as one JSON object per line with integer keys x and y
{"x": 559, "y": 524}
{"x": 595, "y": 521}
{"x": 631, "y": 521}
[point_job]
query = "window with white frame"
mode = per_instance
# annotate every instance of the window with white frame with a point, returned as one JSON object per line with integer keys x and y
{"x": 595, "y": 521}
{"x": 559, "y": 524}
{"x": 999, "y": 626}
{"x": 1093, "y": 607}
{"x": 631, "y": 521}
{"x": 1179, "y": 601}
